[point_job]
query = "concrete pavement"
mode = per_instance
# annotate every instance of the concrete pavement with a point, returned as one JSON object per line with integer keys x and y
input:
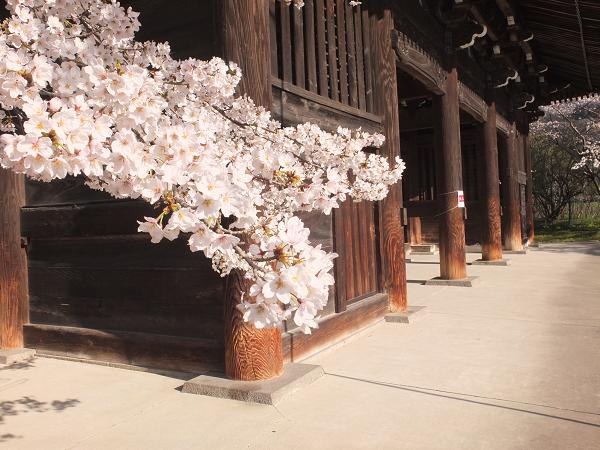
{"x": 512, "y": 363}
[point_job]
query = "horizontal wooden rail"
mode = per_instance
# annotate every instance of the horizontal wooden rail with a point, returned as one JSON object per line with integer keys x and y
{"x": 319, "y": 99}
{"x": 297, "y": 345}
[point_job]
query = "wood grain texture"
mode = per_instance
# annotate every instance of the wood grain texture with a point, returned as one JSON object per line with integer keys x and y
{"x": 322, "y": 60}
{"x": 286, "y": 42}
{"x": 250, "y": 354}
{"x": 246, "y": 41}
{"x": 511, "y": 217}
{"x": 297, "y": 345}
{"x": 139, "y": 349}
{"x": 13, "y": 262}
{"x": 449, "y": 177}
{"x": 352, "y": 57}
{"x": 360, "y": 58}
{"x": 341, "y": 45}
{"x": 76, "y": 220}
{"x": 332, "y": 51}
{"x": 416, "y": 236}
{"x": 311, "y": 45}
{"x": 385, "y": 103}
{"x": 366, "y": 35}
{"x": 491, "y": 233}
{"x": 129, "y": 284}
{"x": 293, "y": 105}
{"x": 299, "y": 66}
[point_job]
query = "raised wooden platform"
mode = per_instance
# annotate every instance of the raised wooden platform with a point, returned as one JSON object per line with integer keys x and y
{"x": 138, "y": 349}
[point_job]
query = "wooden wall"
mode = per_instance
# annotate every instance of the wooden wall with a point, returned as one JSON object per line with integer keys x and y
{"x": 98, "y": 288}
{"x": 101, "y": 290}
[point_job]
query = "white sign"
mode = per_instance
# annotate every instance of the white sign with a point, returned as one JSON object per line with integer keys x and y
{"x": 461, "y": 199}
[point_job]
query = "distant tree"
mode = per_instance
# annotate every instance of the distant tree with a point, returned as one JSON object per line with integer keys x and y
{"x": 574, "y": 127}
{"x": 555, "y": 182}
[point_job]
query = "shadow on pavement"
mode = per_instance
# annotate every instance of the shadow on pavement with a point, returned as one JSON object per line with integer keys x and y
{"x": 453, "y": 396}
{"x": 28, "y": 404}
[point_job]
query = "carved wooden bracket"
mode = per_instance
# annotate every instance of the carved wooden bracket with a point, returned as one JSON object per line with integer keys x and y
{"x": 465, "y": 36}
{"x": 524, "y": 99}
{"x": 501, "y": 77}
{"x": 472, "y": 103}
{"x": 418, "y": 63}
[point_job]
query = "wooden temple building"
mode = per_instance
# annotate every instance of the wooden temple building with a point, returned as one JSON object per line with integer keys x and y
{"x": 453, "y": 85}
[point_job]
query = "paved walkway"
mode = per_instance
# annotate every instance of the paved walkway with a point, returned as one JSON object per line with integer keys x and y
{"x": 513, "y": 363}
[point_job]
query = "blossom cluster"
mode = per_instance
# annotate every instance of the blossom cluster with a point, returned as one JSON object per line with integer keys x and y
{"x": 577, "y": 121}
{"x": 80, "y": 97}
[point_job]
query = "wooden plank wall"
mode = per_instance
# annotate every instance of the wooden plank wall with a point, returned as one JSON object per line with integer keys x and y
{"x": 101, "y": 290}
{"x": 324, "y": 48}
{"x": 323, "y": 75}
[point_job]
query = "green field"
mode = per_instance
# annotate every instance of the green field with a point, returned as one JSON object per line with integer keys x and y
{"x": 588, "y": 230}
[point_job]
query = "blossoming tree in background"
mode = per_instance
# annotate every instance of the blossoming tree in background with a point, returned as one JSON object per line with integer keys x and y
{"x": 80, "y": 97}
{"x": 574, "y": 126}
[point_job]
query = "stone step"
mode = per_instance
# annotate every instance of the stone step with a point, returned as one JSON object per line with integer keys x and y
{"x": 424, "y": 249}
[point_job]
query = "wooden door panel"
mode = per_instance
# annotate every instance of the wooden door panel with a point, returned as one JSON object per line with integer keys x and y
{"x": 357, "y": 266}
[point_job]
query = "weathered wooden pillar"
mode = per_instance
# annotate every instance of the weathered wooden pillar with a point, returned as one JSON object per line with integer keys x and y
{"x": 512, "y": 196}
{"x": 14, "y": 310}
{"x": 385, "y": 98}
{"x": 250, "y": 354}
{"x": 416, "y": 236}
{"x": 529, "y": 190}
{"x": 491, "y": 220}
{"x": 453, "y": 264}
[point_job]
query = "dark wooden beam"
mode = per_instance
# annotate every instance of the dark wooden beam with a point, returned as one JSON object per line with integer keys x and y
{"x": 415, "y": 61}
{"x": 472, "y": 103}
{"x": 491, "y": 234}
{"x": 503, "y": 125}
{"x": 14, "y": 310}
{"x": 385, "y": 98}
{"x": 449, "y": 178}
{"x": 250, "y": 354}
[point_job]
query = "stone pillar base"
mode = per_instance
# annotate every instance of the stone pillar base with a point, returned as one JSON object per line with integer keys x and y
{"x": 498, "y": 262}
{"x": 515, "y": 252}
{"x": 16, "y": 355}
{"x": 464, "y": 282}
{"x": 268, "y": 392}
{"x": 412, "y": 314}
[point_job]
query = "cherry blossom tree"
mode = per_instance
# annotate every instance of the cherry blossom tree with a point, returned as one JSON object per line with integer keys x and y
{"x": 80, "y": 97}
{"x": 574, "y": 126}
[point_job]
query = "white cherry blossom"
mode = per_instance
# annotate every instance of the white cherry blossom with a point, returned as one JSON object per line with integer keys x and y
{"x": 80, "y": 97}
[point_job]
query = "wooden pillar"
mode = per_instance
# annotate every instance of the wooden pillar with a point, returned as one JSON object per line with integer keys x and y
{"x": 14, "y": 311}
{"x": 529, "y": 190}
{"x": 512, "y": 196}
{"x": 385, "y": 98}
{"x": 491, "y": 234}
{"x": 250, "y": 354}
{"x": 416, "y": 237}
{"x": 453, "y": 264}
